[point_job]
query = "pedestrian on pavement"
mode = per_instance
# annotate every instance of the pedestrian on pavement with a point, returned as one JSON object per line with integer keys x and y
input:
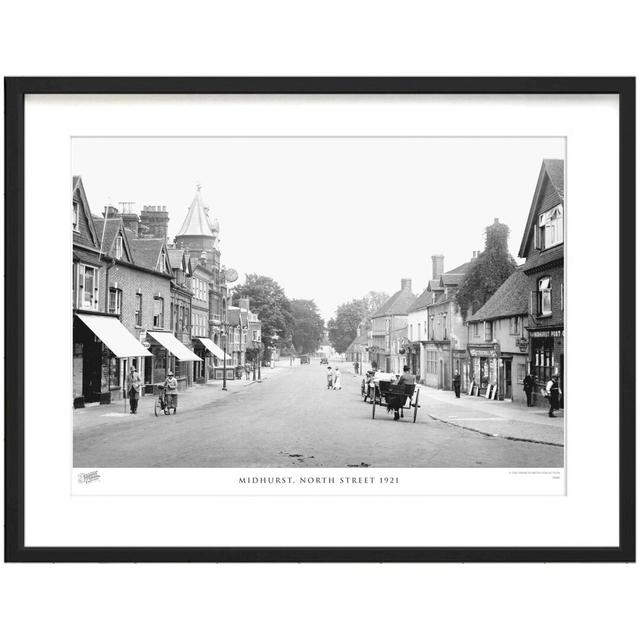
{"x": 329, "y": 378}
{"x": 356, "y": 367}
{"x": 527, "y": 385}
{"x": 456, "y": 383}
{"x": 171, "y": 389}
{"x": 134, "y": 382}
{"x": 337, "y": 379}
{"x": 553, "y": 395}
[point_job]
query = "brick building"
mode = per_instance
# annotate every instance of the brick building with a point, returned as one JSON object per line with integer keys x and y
{"x": 542, "y": 248}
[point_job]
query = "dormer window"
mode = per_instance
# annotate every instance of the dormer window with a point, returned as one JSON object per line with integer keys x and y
{"x": 550, "y": 228}
{"x": 118, "y": 247}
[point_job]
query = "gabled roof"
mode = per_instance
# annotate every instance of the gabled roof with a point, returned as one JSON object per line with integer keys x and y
{"x": 452, "y": 278}
{"x": 177, "y": 259}
{"x": 511, "y": 299}
{"x": 397, "y": 305}
{"x": 548, "y": 193}
{"x": 197, "y": 222}
{"x": 79, "y": 194}
{"x": 108, "y": 230}
{"x": 149, "y": 252}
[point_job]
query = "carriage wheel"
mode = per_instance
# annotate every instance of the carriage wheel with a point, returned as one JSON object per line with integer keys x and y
{"x": 416, "y": 405}
{"x": 157, "y": 407}
{"x": 373, "y": 405}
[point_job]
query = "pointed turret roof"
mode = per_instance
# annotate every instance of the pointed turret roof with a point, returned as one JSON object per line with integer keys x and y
{"x": 197, "y": 222}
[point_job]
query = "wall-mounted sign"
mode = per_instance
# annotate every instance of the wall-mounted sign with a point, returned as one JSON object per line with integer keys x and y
{"x": 522, "y": 344}
{"x": 546, "y": 333}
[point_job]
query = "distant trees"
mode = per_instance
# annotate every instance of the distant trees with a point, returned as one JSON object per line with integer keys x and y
{"x": 349, "y": 316}
{"x": 308, "y": 326}
{"x": 268, "y": 300}
{"x": 490, "y": 269}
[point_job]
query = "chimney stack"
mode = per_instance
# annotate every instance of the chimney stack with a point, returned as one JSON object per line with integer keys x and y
{"x": 438, "y": 266}
{"x": 156, "y": 220}
{"x": 405, "y": 283}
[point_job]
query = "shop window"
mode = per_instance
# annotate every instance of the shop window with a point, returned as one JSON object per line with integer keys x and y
{"x": 158, "y": 312}
{"x": 544, "y": 296}
{"x": 114, "y": 373}
{"x": 543, "y": 359}
{"x": 115, "y": 301}
{"x": 138, "y": 309}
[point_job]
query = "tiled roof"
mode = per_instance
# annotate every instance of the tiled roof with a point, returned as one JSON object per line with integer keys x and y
{"x": 358, "y": 341}
{"x": 175, "y": 258}
{"x": 86, "y": 256}
{"x": 111, "y": 227}
{"x": 511, "y": 299}
{"x": 540, "y": 258}
{"x": 454, "y": 277}
{"x": 397, "y": 305}
{"x": 555, "y": 171}
{"x": 197, "y": 222}
{"x": 145, "y": 250}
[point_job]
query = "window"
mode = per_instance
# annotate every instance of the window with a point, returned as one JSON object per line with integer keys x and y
{"x": 432, "y": 321}
{"x": 76, "y": 216}
{"x": 138, "y": 309}
{"x": 488, "y": 331}
{"x": 476, "y": 329}
{"x": 544, "y": 296}
{"x": 432, "y": 362}
{"x": 444, "y": 326}
{"x": 514, "y": 325}
{"x": 115, "y": 301}
{"x": 543, "y": 359}
{"x": 550, "y": 228}
{"x": 158, "y": 312}
{"x": 87, "y": 287}
{"x": 118, "y": 247}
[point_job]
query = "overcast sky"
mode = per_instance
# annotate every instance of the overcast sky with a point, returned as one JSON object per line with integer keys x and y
{"x": 328, "y": 218}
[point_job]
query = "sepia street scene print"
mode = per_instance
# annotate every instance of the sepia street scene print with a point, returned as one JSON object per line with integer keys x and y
{"x": 318, "y": 302}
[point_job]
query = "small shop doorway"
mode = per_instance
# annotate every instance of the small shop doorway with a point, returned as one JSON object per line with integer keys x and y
{"x": 508, "y": 391}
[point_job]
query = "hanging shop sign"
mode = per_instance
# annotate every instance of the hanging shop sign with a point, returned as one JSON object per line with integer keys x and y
{"x": 522, "y": 344}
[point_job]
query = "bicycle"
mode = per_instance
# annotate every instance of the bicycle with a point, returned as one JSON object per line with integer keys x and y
{"x": 161, "y": 405}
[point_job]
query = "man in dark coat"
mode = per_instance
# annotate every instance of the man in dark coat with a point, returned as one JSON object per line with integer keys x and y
{"x": 527, "y": 385}
{"x": 456, "y": 383}
{"x": 553, "y": 395}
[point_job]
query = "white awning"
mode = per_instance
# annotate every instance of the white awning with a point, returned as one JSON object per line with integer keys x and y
{"x": 213, "y": 348}
{"x": 174, "y": 346}
{"x": 113, "y": 333}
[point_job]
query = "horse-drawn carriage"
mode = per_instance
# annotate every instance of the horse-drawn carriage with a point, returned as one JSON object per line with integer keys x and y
{"x": 397, "y": 398}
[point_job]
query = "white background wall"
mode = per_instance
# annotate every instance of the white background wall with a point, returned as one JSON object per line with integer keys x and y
{"x": 328, "y": 38}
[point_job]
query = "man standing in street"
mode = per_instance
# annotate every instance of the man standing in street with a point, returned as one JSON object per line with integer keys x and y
{"x": 133, "y": 389}
{"x": 553, "y": 395}
{"x": 456, "y": 383}
{"x": 527, "y": 385}
{"x": 329, "y": 378}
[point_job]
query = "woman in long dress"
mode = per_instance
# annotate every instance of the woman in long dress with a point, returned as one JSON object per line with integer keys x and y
{"x": 337, "y": 379}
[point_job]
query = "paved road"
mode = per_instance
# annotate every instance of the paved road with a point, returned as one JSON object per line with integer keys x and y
{"x": 292, "y": 420}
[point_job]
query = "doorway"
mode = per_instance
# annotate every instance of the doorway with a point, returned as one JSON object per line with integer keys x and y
{"x": 507, "y": 380}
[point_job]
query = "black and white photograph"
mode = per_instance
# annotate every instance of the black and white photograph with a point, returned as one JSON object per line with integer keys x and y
{"x": 318, "y": 302}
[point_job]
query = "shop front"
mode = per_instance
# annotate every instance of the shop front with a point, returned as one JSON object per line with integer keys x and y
{"x": 169, "y": 354}
{"x": 547, "y": 357}
{"x": 485, "y": 368}
{"x": 212, "y": 367}
{"x": 103, "y": 351}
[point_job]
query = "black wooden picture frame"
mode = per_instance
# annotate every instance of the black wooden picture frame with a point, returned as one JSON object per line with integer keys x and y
{"x": 15, "y": 91}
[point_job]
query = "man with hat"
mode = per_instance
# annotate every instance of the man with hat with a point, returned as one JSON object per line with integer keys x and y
{"x": 553, "y": 394}
{"x": 134, "y": 382}
{"x": 171, "y": 388}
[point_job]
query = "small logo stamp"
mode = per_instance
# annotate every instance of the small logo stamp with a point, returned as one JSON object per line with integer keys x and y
{"x": 90, "y": 476}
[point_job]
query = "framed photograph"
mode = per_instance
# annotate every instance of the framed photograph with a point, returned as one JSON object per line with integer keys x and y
{"x": 320, "y": 319}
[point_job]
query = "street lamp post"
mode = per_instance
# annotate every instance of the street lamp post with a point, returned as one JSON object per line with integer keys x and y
{"x": 224, "y": 362}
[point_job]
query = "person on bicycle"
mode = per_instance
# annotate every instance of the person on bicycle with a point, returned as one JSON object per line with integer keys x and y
{"x": 171, "y": 391}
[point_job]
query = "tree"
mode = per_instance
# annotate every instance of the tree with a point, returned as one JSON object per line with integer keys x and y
{"x": 373, "y": 301}
{"x": 490, "y": 269}
{"x": 344, "y": 327}
{"x": 268, "y": 300}
{"x": 308, "y": 326}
